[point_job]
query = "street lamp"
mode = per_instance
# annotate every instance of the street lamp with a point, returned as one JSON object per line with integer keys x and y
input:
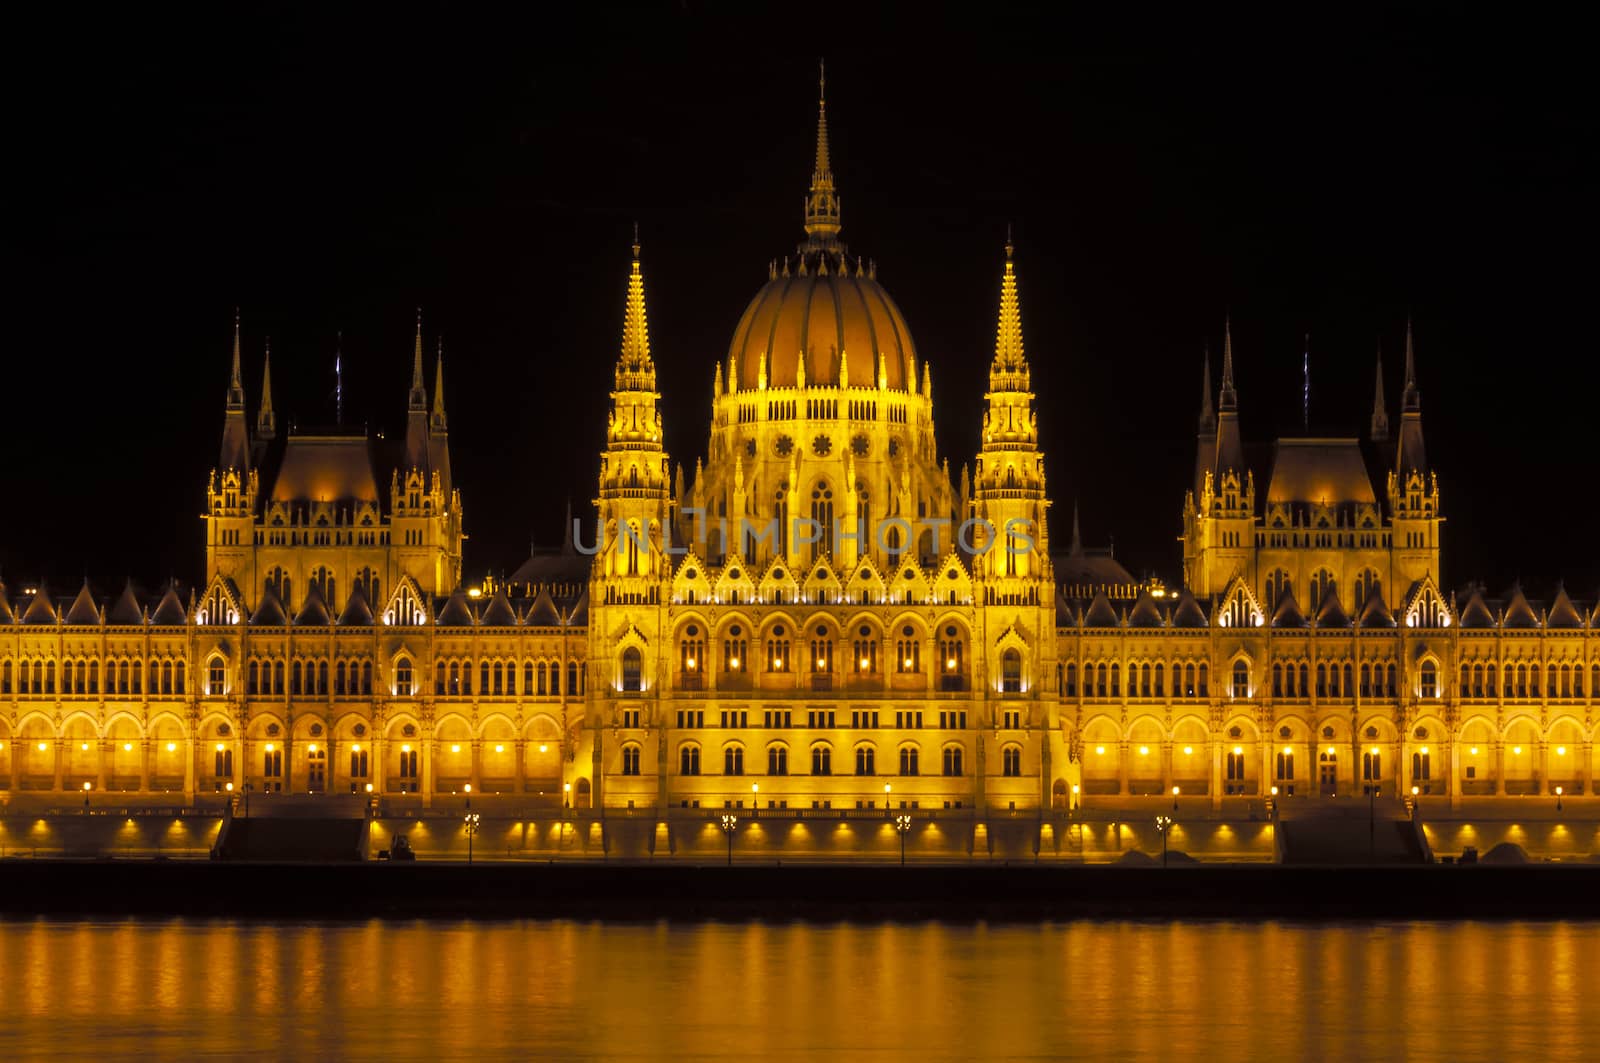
{"x": 471, "y": 822}
{"x": 755, "y": 800}
{"x": 1075, "y": 801}
{"x": 1163, "y": 826}
{"x": 1558, "y": 798}
{"x": 730, "y": 823}
{"x": 902, "y": 824}
{"x": 1372, "y": 819}
{"x": 1174, "y": 799}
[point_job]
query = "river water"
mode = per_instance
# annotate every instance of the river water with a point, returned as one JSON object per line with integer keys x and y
{"x": 798, "y": 991}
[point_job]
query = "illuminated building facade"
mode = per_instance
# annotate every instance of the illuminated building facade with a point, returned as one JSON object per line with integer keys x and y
{"x": 823, "y": 618}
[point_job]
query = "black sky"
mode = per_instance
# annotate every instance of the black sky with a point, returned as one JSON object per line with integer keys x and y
{"x": 1324, "y": 176}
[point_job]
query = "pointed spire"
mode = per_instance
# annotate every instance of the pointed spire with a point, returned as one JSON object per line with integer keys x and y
{"x": 338, "y": 378}
{"x": 822, "y": 204}
{"x": 1380, "y": 415}
{"x": 1008, "y": 355}
{"x": 236, "y": 381}
{"x": 927, "y": 382}
{"x": 1229, "y": 401}
{"x": 635, "y": 330}
{"x": 1208, "y": 413}
{"x": 266, "y": 420}
{"x": 438, "y": 422}
{"x": 419, "y": 393}
{"x": 1076, "y": 549}
{"x": 1412, "y": 398}
{"x": 844, "y": 368}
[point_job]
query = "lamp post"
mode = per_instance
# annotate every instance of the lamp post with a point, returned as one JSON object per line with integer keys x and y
{"x": 471, "y": 823}
{"x": 1372, "y": 821}
{"x": 1272, "y": 805}
{"x": 1558, "y": 798}
{"x": 902, "y": 826}
{"x": 730, "y": 823}
{"x": 1174, "y": 799}
{"x": 1163, "y": 826}
{"x": 1075, "y": 801}
{"x": 755, "y": 800}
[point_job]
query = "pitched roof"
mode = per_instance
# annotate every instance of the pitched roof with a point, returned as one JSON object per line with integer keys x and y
{"x": 170, "y": 611}
{"x": 1475, "y": 614}
{"x": 1331, "y": 613}
{"x": 314, "y": 612}
{"x": 326, "y": 468}
{"x": 1065, "y": 617}
{"x": 1563, "y": 614}
{"x": 543, "y": 613}
{"x": 1375, "y": 613}
{"x": 6, "y": 616}
{"x": 1100, "y": 613}
{"x": 499, "y": 612}
{"x": 83, "y": 610}
{"x": 1188, "y": 613}
{"x": 1519, "y": 612}
{"x": 357, "y": 613}
{"x": 1145, "y": 611}
{"x": 579, "y": 617}
{"x": 456, "y": 611}
{"x": 269, "y": 610}
{"x": 126, "y": 609}
{"x": 41, "y": 610}
{"x": 1319, "y": 471}
{"x": 1288, "y": 613}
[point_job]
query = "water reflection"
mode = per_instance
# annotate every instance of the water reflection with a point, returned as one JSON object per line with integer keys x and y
{"x": 593, "y": 991}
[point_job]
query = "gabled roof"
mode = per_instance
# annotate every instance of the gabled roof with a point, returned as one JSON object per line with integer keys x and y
{"x": 6, "y": 616}
{"x": 314, "y": 612}
{"x": 1100, "y": 613}
{"x": 1288, "y": 613}
{"x": 1375, "y": 613}
{"x": 1319, "y": 471}
{"x": 1332, "y": 614}
{"x": 269, "y": 610}
{"x": 326, "y": 468}
{"x": 126, "y": 609}
{"x": 41, "y": 610}
{"x": 1475, "y": 614}
{"x": 1188, "y": 613}
{"x": 456, "y": 612}
{"x": 357, "y": 610}
{"x": 543, "y": 613}
{"x": 1145, "y": 611}
{"x": 1519, "y": 613}
{"x": 499, "y": 613}
{"x": 169, "y": 611}
{"x": 1065, "y": 617}
{"x": 1563, "y": 614}
{"x": 83, "y": 610}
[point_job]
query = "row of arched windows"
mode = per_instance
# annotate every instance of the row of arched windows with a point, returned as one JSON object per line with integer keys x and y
{"x": 1530, "y": 680}
{"x": 85, "y": 675}
{"x": 1333, "y": 679}
{"x": 454, "y": 677}
{"x": 1144, "y": 679}
{"x": 951, "y": 761}
{"x": 817, "y": 651}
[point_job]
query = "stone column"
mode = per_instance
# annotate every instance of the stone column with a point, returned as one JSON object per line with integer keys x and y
{"x": 60, "y": 770}
{"x": 1167, "y": 770}
{"x": 377, "y": 773}
{"x": 1542, "y": 763}
{"x": 1216, "y": 772}
{"x": 189, "y": 754}
{"x": 238, "y": 765}
{"x": 477, "y": 761}
{"x": 144, "y": 764}
{"x": 1122, "y": 768}
{"x": 1585, "y": 767}
{"x": 102, "y": 747}
{"x": 1455, "y": 773}
{"x": 1499, "y": 768}
{"x": 522, "y": 766}
{"x": 426, "y": 742}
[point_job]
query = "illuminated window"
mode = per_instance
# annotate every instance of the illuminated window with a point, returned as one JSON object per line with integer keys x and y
{"x": 1428, "y": 680}
{"x": 1011, "y": 672}
{"x": 1241, "y": 679}
{"x": 630, "y": 759}
{"x": 631, "y": 668}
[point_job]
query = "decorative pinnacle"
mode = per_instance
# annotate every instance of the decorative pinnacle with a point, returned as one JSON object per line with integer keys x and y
{"x": 1229, "y": 400}
{"x": 1208, "y": 415}
{"x": 1008, "y": 356}
{"x": 1412, "y": 398}
{"x": 419, "y": 393}
{"x": 822, "y": 204}
{"x": 635, "y": 330}
{"x": 235, "y": 381}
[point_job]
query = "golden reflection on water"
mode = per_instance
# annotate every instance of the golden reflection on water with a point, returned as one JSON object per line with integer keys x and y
{"x": 593, "y": 991}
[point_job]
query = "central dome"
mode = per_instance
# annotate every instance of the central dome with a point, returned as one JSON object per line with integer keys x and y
{"x": 821, "y": 311}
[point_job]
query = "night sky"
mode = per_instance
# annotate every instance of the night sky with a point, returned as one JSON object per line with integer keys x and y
{"x": 1323, "y": 178}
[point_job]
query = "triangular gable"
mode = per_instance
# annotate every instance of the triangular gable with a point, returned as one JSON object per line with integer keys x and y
{"x": 357, "y": 611}
{"x": 1145, "y": 612}
{"x": 910, "y": 584}
{"x": 1288, "y": 614}
{"x": 543, "y": 612}
{"x": 735, "y": 584}
{"x": 499, "y": 612}
{"x": 126, "y": 610}
{"x": 778, "y": 583}
{"x": 220, "y": 603}
{"x": 579, "y": 617}
{"x": 6, "y": 615}
{"x": 1375, "y": 613}
{"x": 1239, "y": 607}
{"x": 1066, "y": 616}
{"x": 953, "y": 584}
{"x": 1563, "y": 614}
{"x": 690, "y": 583}
{"x": 169, "y": 611}
{"x": 1189, "y": 613}
{"x": 269, "y": 610}
{"x": 1519, "y": 613}
{"x": 41, "y": 610}
{"x": 865, "y": 580}
{"x": 1476, "y": 614}
{"x": 1332, "y": 614}
{"x": 457, "y": 612}
{"x": 1100, "y": 613}
{"x": 314, "y": 613}
{"x": 1425, "y": 606}
{"x": 821, "y": 585}
{"x": 83, "y": 609}
{"x": 406, "y": 608}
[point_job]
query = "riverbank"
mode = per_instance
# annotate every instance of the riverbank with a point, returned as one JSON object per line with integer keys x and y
{"x": 650, "y": 891}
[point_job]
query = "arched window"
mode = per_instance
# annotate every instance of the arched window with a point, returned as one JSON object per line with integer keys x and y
{"x": 952, "y": 760}
{"x": 908, "y": 651}
{"x": 866, "y": 761}
{"x": 908, "y": 760}
{"x": 630, "y": 759}
{"x": 1161, "y": 680}
{"x": 1011, "y": 672}
{"x": 733, "y": 761}
{"x": 777, "y": 760}
{"x": 216, "y": 677}
{"x": 689, "y": 760}
{"x": 1277, "y": 679}
{"x": 1322, "y": 585}
{"x": 1234, "y": 771}
{"x": 1204, "y": 692}
{"x": 1241, "y": 679}
{"x": 1011, "y": 761}
{"x": 402, "y": 677}
{"x": 1371, "y": 770}
{"x": 735, "y": 651}
{"x": 1367, "y": 586}
{"x": 822, "y": 516}
{"x": 1428, "y": 680}
{"x": 778, "y": 649}
{"x": 821, "y": 760}
{"x": 1069, "y": 680}
{"x": 574, "y": 686}
{"x": 632, "y": 666}
{"x": 1273, "y": 590}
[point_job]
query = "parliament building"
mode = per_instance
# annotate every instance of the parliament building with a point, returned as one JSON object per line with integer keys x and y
{"x": 824, "y": 617}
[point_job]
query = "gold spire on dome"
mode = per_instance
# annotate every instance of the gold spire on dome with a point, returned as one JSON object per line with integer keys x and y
{"x": 1008, "y": 356}
{"x": 236, "y": 382}
{"x": 822, "y": 204}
